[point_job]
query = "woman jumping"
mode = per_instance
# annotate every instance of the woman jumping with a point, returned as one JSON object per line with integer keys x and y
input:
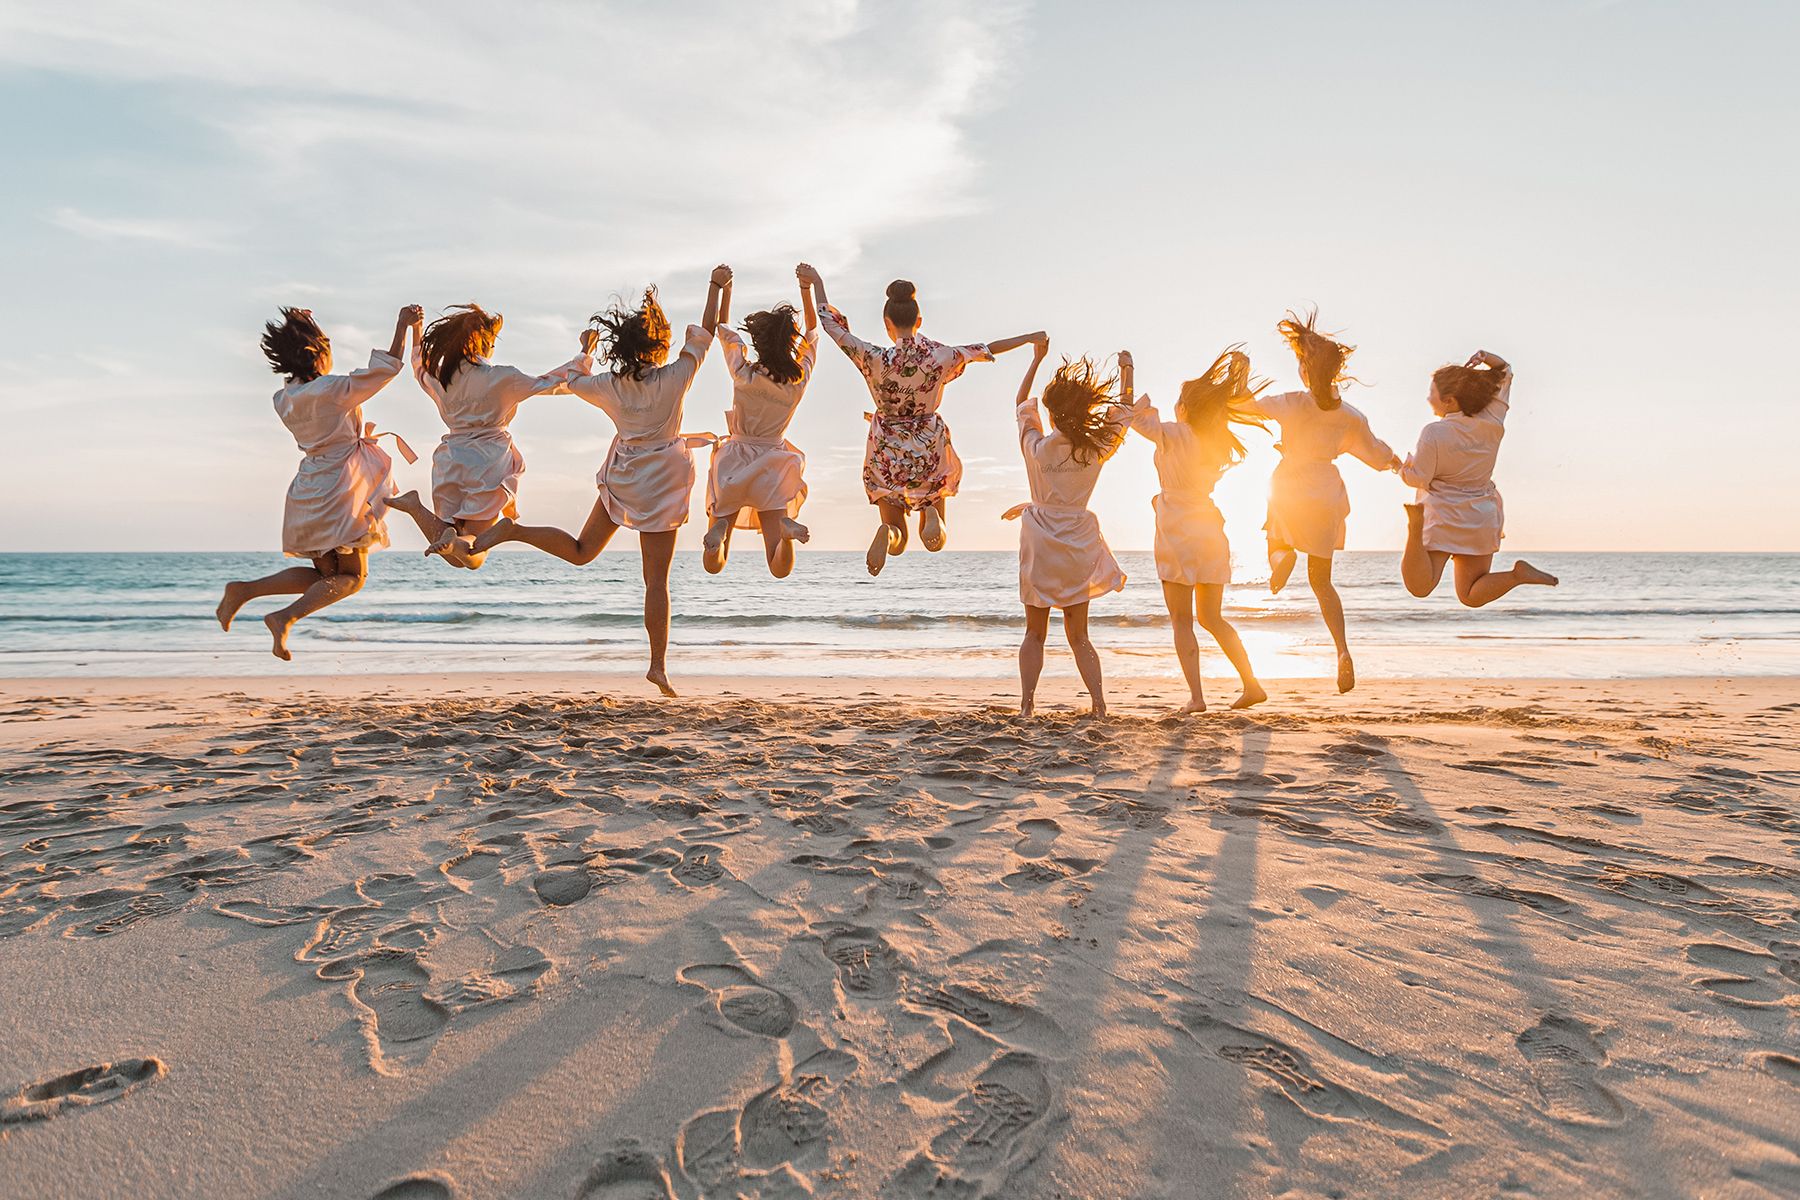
{"x": 1193, "y": 557}
{"x": 1459, "y": 513}
{"x": 475, "y": 470}
{"x": 1308, "y": 505}
{"x": 909, "y": 464}
{"x": 647, "y": 480}
{"x": 336, "y": 505}
{"x": 756, "y": 479}
{"x": 1064, "y": 561}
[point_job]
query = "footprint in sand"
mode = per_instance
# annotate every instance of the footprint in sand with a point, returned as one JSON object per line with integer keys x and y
{"x": 741, "y": 1000}
{"x": 778, "y": 1125}
{"x": 1036, "y": 835}
{"x": 1563, "y": 1055}
{"x": 978, "y": 1151}
{"x": 628, "y": 1172}
{"x": 1017, "y": 1024}
{"x": 122, "y": 916}
{"x": 1784, "y": 1067}
{"x": 259, "y": 912}
{"x": 341, "y": 933}
{"x": 562, "y": 886}
{"x": 866, "y": 965}
{"x": 514, "y": 973}
{"x": 700, "y": 866}
{"x": 417, "y": 1187}
{"x": 389, "y": 985}
{"x": 78, "y": 1089}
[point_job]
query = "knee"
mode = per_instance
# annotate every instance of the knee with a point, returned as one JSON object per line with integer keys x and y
{"x": 1467, "y": 595}
{"x": 354, "y": 583}
{"x": 780, "y": 569}
{"x": 585, "y": 554}
{"x": 1080, "y": 644}
{"x": 1035, "y": 638}
{"x": 1422, "y": 588}
{"x": 1216, "y": 626}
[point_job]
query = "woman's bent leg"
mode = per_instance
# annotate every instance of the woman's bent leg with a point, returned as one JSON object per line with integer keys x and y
{"x": 716, "y": 547}
{"x": 778, "y": 549}
{"x": 341, "y": 575}
{"x": 582, "y": 550}
{"x": 934, "y": 527}
{"x": 1477, "y": 584}
{"x": 1420, "y": 569}
{"x": 658, "y": 551}
{"x": 1178, "y": 598}
{"x": 282, "y": 583}
{"x": 889, "y": 539}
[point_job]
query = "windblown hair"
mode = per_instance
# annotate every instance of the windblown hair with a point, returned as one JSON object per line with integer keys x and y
{"x": 902, "y": 307}
{"x": 1322, "y": 359}
{"x": 1469, "y": 388}
{"x": 1219, "y": 398}
{"x": 634, "y": 340}
{"x": 776, "y": 336}
{"x": 1080, "y": 401}
{"x": 465, "y": 331}
{"x": 293, "y": 346}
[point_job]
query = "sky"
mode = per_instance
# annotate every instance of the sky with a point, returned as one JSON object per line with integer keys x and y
{"x": 1601, "y": 191}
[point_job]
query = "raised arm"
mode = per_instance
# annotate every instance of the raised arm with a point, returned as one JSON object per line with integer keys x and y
{"x": 810, "y": 278}
{"x": 715, "y": 287}
{"x": 1502, "y": 402}
{"x": 1041, "y": 344}
{"x": 1013, "y": 343}
{"x": 1481, "y": 358}
{"x": 1031, "y": 427}
{"x": 411, "y": 317}
{"x": 725, "y": 303}
{"x": 806, "y": 297}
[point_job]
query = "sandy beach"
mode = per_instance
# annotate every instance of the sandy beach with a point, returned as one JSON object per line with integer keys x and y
{"x": 544, "y": 936}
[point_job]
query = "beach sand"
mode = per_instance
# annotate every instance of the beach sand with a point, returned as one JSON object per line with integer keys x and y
{"x": 546, "y": 936}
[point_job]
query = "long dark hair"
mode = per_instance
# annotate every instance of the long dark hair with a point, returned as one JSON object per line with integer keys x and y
{"x": 1469, "y": 388}
{"x": 634, "y": 340}
{"x": 1080, "y": 400}
{"x": 1211, "y": 404}
{"x": 293, "y": 346}
{"x": 902, "y": 307}
{"x": 465, "y": 331}
{"x": 1322, "y": 359}
{"x": 776, "y": 336}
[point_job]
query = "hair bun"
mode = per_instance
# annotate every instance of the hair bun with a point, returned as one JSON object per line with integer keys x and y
{"x": 901, "y": 289}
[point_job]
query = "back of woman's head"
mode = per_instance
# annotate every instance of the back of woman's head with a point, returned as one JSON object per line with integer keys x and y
{"x": 902, "y": 307}
{"x": 1322, "y": 359}
{"x": 465, "y": 331}
{"x": 1217, "y": 399}
{"x": 776, "y": 336}
{"x": 633, "y": 340}
{"x": 1079, "y": 398}
{"x": 294, "y": 345}
{"x": 1471, "y": 389}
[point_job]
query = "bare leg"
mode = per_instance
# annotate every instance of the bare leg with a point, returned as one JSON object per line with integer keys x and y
{"x": 658, "y": 551}
{"x": 1178, "y": 598}
{"x": 778, "y": 549}
{"x": 1420, "y": 569}
{"x": 1087, "y": 659}
{"x": 581, "y": 550}
{"x": 1031, "y": 657}
{"x": 1477, "y": 585}
{"x": 716, "y": 548}
{"x": 429, "y": 523}
{"x": 1211, "y": 597}
{"x": 282, "y": 583}
{"x": 934, "y": 530}
{"x": 889, "y": 539}
{"x": 1281, "y": 565}
{"x": 1331, "y": 607}
{"x": 341, "y": 575}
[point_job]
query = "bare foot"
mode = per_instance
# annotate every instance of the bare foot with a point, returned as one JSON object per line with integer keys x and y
{"x": 406, "y": 502}
{"x": 1098, "y": 712}
{"x": 794, "y": 531}
{"x": 1346, "y": 673}
{"x": 660, "y": 678}
{"x": 1281, "y": 565}
{"x": 879, "y": 549}
{"x": 228, "y": 607}
{"x": 1196, "y": 705}
{"x": 1027, "y": 707}
{"x": 1523, "y": 571}
{"x": 712, "y": 549}
{"x": 932, "y": 534}
{"x": 493, "y": 535}
{"x": 1254, "y": 694}
{"x": 458, "y": 551}
{"x": 279, "y": 628}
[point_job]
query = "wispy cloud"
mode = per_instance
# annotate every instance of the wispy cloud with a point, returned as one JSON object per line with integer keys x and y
{"x": 186, "y": 235}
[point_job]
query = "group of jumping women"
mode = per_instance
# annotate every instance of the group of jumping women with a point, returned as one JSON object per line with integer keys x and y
{"x": 337, "y": 503}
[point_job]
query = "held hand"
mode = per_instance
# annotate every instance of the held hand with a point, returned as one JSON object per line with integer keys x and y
{"x": 412, "y": 314}
{"x": 807, "y": 274}
{"x": 1125, "y": 363}
{"x": 721, "y": 276}
{"x": 589, "y": 339}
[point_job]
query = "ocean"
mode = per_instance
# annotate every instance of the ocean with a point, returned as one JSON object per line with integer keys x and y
{"x": 954, "y": 614}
